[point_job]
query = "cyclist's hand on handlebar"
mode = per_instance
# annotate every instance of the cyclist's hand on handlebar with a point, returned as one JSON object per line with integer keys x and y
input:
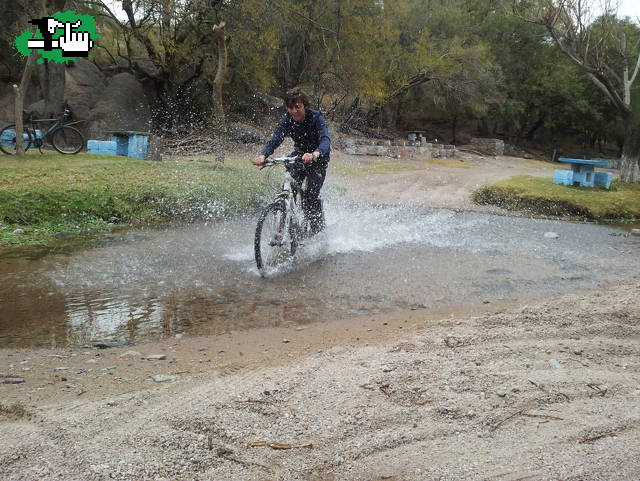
{"x": 306, "y": 158}
{"x": 259, "y": 160}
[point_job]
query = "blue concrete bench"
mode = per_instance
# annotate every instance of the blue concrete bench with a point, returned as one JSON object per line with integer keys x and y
{"x": 582, "y": 173}
{"x": 9, "y": 136}
{"x": 108, "y": 147}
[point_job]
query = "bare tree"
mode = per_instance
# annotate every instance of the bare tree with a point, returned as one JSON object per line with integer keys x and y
{"x": 598, "y": 43}
{"x": 221, "y": 42}
{"x": 38, "y": 9}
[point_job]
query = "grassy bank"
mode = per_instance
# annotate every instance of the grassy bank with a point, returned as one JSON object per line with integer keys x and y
{"x": 538, "y": 195}
{"x": 45, "y": 195}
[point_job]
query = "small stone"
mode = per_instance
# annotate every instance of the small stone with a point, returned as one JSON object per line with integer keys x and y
{"x": 60, "y": 368}
{"x": 555, "y": 364}
{"x": 501, "y": 393}
{"x": 131, "y": 354}
{"x": 91, "y": 361}
{"x": 578, "y": 352}
{"x": 286, "y": 341}
{"x": 13, "y": 380}
{"x": 18, "y": 232}
{"x": 204, "y": 348}
{"x": 164, "y": 378}
{"x": 156, "y": 357}
{"x": 301, "y": 328}
{"x": 551, "y": 235}
{"x": 179, "y": 335}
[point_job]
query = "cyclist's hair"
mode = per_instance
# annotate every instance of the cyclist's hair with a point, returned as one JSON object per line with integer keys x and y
{"x": 296, "y": 95}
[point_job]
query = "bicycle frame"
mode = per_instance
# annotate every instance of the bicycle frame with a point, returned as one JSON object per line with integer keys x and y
{"x": 289, "y": 185}
{"x": 59, "y": 122}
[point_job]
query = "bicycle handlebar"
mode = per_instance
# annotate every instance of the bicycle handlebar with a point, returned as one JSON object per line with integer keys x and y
{"x": 281, "y": 161}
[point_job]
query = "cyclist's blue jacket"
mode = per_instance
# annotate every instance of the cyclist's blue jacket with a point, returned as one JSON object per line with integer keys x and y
{"x": 308, "y": 136}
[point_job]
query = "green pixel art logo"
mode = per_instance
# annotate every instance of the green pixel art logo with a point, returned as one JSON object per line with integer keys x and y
{"x": 59, "y": 38}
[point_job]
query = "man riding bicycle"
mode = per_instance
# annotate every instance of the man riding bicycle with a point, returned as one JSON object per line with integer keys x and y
{"x": 308, "y": 130}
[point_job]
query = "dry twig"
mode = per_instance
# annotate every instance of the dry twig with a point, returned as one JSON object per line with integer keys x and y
{"x": 255, "y": 444}
{"x": 599, "y": 436}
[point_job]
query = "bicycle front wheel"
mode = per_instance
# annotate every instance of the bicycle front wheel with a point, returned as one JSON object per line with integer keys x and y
{"x": 8, "y": 139}
{"x": 273, "y": 241}
{"x": 67, "y": 140}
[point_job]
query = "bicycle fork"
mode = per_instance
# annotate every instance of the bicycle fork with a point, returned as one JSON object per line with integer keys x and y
{"x": 287, "y": 198}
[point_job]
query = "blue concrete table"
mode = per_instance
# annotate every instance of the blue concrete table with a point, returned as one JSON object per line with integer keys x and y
{"x": 582, "y": 173}
{"x": 130, "y": 143}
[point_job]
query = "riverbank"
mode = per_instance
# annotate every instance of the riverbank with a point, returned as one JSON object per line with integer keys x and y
{"x": 45, "y": 196}
{"x": 438, "y": 397}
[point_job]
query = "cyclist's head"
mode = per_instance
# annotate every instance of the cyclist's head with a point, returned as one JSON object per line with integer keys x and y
{"x": 296, "y": 102}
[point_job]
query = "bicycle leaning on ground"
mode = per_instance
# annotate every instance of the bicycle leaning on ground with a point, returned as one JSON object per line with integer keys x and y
{"x": 64, "y": 138}
{"x": 282, "y": 225}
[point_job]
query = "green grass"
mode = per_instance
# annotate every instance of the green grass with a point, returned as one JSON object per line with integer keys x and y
{"x": 539, "y": 195}
{"x": 48, "y": 194}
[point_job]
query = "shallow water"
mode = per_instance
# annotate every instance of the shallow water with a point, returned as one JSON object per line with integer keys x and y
{"x": 201, "y": 279}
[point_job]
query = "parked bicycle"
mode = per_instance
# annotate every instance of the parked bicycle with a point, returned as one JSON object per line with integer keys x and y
{"x": 282, "y": 225}
{"x": 64, "y": 138}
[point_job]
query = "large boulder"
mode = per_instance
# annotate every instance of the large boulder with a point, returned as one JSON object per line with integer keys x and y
{"x": 84, "y": 85}
{"x": 122, "y": 106}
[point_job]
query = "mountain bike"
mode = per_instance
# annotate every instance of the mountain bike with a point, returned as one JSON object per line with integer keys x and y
{"x": 282, "y": 225}
{"x": 64, "y": 138}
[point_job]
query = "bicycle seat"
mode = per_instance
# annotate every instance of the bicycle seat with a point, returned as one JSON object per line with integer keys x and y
{"x": 27, "y": 112}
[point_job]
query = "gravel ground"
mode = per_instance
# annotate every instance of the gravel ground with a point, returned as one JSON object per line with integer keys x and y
{"x": 548, "y": 391}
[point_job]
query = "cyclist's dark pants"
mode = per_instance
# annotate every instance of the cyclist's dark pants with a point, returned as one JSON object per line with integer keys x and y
{"x": 315, "y": 172}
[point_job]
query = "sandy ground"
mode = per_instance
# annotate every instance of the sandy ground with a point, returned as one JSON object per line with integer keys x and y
{"x": 507, "y": 392}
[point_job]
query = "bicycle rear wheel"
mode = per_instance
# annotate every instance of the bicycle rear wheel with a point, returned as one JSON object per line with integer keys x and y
{"x": 67, "y": 140}
{"x": 8, "y": 139}
{"x": 274, "y": 243}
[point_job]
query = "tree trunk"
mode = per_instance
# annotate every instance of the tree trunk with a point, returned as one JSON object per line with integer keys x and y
{"x": 221, "y": 40}
{"x": 52, "y": 83}
{"x": 20, "y": 91}
{"x": 630, "y": 162}
{"x": 454, "y": 130}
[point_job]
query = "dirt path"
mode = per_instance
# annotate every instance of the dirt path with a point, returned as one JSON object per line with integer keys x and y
{"x": 542, "y": 392}
{"x": 444, "y": 183}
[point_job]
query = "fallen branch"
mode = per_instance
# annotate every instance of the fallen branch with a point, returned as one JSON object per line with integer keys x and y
{"x": 599, "y": 436}
{"x": 524, "y": 414}
{"x": 255, "y": 444}
{"x": 545, "y": 416}
{"x": 384, "y": 389}
{"x": 597, "y": 388}
{"x": 548, "y": 392}
{"x": 497, "y": 425}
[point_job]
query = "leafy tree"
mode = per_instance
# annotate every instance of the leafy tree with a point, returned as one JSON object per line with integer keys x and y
{"x": 607, "y": 50}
